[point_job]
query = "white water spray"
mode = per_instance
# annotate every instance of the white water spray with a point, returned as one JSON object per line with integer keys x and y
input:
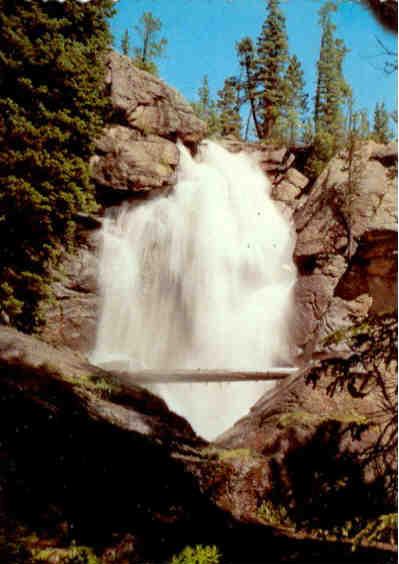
{"x": 200, "y": 279}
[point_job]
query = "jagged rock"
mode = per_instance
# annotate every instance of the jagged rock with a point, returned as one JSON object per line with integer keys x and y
{"x": 296, "y": 178}
{"x": 137, "y": 151}
{"x": 130, "y": 162}
{"x": 291, "y": 190}
{"x": 313, "y": 451}
{"x": 71, "y": 319}
{"x": 285, "y": 192}
{"x": 373, "y": 270}
{"x": 346, "y": 244}
{"x": 147, "y": 104}
{"x": 386, "y": 154}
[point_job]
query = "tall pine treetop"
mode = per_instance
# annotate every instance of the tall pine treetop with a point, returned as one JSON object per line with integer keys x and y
{"x": 271, "y": 60}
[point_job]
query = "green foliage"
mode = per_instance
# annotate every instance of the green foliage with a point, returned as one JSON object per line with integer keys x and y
{"x": 370, "y": 367}
{"x": 274, "y": 514}
{"x": 270, "y": 66}
{"x": 229, "y": 109}
{"x": 308, "y": 132}
{"x": 248, "y": 83}
{"x": 228, "y": 454}
{"x": 73, "y": 555}
{"x": 331, "y": 92}
{"x": 381, "y": 130}
{"x": 382, "y": 529}
{"x": 198, "y": 555}
{"x": 296, "y": 101}
{"x": 52, "y": 106}
{"x": 271, "y": 81}
{"x": 151, "y": 47}
{"x": 206, "y": 108}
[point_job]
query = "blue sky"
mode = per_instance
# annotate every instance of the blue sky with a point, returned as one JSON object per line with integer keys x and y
{"x": 202, "y": 35}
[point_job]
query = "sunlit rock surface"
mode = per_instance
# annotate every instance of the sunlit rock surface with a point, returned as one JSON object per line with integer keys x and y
{"x": 346, "y": 244}
{"x": 137, "y": 151}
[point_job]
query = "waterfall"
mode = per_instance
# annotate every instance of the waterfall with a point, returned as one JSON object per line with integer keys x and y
{"x": 200, "y": 278}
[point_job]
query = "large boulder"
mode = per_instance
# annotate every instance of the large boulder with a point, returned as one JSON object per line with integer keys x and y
{"x": 137, "y": 150}
{"x": 346, "y": 244}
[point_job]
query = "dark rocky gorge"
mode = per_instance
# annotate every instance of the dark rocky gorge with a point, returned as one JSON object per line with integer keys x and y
{"x": 90, "y": 460}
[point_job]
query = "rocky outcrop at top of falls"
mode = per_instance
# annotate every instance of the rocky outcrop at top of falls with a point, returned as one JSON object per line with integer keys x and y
{"x": 137, "y": 151}
{"x": 90, "y": 459}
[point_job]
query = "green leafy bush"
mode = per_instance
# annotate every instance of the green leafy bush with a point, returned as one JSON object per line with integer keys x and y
{"x": 197, "y": 555}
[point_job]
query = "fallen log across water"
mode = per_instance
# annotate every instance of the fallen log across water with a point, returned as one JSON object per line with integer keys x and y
{"x": 205, "y": 376}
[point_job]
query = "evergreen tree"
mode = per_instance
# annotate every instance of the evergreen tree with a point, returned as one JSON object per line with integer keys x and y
{"x": 151, "y": 46}
{"x": 331, "y": 92}
{"x": 229, "y": 110}
{"x": 52, "y": 105}
{"x": 364, "y": 125}
{"x": 247, "y": 59}
{"x": 206, "y": 108}
{"x": 296, "y": 99}
{"x": 125, "y": 43}
{"x": 271, "y": 61}
{"x": 381, "y": 130}
{"x": 308, "y": 132}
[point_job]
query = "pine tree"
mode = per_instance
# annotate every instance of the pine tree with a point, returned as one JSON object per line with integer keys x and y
{"x": 151, "y": 47}
{"x": 52, "y": 105}
{"x": 206, "y": 108}
{"x": 125, "y": 43}
{"x": 271, "y": 60}
{"x": 331, "y": 92}
{"x": 364, "y": 125}
{"x": 296, "y": 100}
{"x": 381, "y": 131}
{"x": 247, "y": 59}
{"x": 308, "y": 132}
{"x": 229, "y": 111}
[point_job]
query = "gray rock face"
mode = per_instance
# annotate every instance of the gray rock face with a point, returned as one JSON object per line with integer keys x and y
{"x": 131, "y": 163}
{"x": 346, "y": 245}
{"x": 148, "y": 105}
{"x": 71, "y": 320}
{"x": 137, "y": 151}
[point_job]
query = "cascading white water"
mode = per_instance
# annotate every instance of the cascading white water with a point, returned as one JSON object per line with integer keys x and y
{"x": 201, "y": 278}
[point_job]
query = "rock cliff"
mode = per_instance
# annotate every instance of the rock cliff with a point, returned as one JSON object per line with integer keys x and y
{"x": 137, "y": 151}
{"x": 346, "y": 244}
